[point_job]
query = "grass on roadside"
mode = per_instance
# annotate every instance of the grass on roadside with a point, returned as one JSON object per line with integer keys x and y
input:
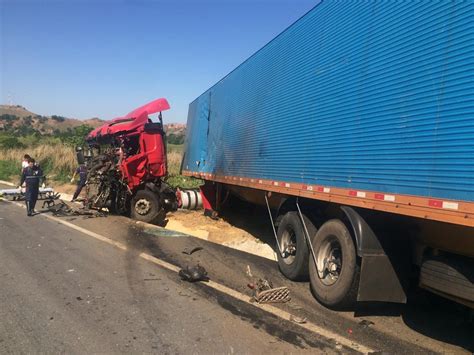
{"x": 175, "y": 155}
{"x": 10, "y": 170}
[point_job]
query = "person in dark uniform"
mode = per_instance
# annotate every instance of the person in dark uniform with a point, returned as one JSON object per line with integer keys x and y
{"x": 31, "y": 176}
{"x": 82, "y": 172}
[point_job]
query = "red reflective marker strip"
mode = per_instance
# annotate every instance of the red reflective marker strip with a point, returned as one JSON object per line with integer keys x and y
{"x": 435, "y": 203}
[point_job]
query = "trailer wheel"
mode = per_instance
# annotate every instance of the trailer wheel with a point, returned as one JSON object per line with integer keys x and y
{"x": 336, "y": 283}
{"x": 145, "y": 206}
{"x": 292, "y": 241}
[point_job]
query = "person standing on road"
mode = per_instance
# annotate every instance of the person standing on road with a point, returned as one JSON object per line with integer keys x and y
{"x": 82, "y": 172}
{"x": 31, "y": 176}
{"x": 24, "y": 162}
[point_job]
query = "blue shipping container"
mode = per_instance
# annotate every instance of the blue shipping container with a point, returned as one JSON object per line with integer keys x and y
{"x": 373, "y": 95}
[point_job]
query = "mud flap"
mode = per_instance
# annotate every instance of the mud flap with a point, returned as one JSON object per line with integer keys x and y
{"x": 379, "y": 280}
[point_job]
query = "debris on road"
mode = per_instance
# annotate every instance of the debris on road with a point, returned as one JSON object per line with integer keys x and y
{"x": 264, "y": 285}
{"x": 189, "y": 252}
{"x": 299, "y": 320}
{"x": 193, "y": 274}
{"x": 273, "y": 295}
{"x": 263, "y": 291}
{"x": 249, "y": 272}
{"x": 18, "y": 194}
{"x": 62, "y": 209}
{"x": 366, "y": 323}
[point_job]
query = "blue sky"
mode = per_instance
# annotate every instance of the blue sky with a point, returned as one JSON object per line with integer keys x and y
{"x": 80, "y": 58}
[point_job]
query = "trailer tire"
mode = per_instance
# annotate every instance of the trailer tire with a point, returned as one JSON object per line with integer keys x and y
{"x": 145, "y": 206}
{"x": 290, "y": 228}
{"x": 334, "y": 250}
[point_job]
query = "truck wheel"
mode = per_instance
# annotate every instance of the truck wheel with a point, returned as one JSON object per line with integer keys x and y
{"x": 336, "y": 283}
{"x": 293, "y": 244}
{"x": 145, "y": 206}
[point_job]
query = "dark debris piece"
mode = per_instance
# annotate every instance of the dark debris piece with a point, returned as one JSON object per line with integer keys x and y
{"x": 193, "y": 274}
{"x": 264, "y": 284}
{"x": 187, "y": 252}
{"x": 366, "y": 323}
{"x": 62, "y": 209}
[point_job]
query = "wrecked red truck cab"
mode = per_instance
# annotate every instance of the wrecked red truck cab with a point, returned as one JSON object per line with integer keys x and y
{"x": 127, "y": 165}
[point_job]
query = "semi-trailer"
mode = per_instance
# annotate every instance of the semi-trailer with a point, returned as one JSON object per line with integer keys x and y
{"x": 355, "y": 127}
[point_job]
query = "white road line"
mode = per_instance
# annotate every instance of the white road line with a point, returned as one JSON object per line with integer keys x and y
{"x": 221, "y": 288}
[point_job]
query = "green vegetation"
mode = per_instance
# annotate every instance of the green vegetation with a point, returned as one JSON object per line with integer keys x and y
{"x": 10, "y": 170}
{"x": 175, "y": 139}
{"x": 183, "y": 182}
{"x": 175, "y": 156}
{"x": 8, "y": 142}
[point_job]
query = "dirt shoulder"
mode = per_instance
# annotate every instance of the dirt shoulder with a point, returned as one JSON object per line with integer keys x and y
{"x": 226, "y": 231}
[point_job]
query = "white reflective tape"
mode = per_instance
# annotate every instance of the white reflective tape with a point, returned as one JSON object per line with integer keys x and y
{"x": 390, "y": 198}
{"x": 309, "y": 188}
{"x": 287, "y": 185}
{"x": 326, "y": 190}
{"x": 450, "y": 205}
{"x": 275, "y": 183}
{"x": 260, "y": 181}
{"x": 360, "y": 194}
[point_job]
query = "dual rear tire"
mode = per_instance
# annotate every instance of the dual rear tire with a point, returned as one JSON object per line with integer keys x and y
{"x": 334, "y": 282}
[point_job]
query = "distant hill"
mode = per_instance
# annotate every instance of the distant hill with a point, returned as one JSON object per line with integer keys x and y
{"x": 18, "y": 120}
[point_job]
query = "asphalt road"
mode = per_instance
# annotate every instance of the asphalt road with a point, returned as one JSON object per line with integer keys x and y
{"x": 62, "y": 290}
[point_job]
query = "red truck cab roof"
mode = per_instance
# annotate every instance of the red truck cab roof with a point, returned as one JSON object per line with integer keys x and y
{"x": 133, "y": 121}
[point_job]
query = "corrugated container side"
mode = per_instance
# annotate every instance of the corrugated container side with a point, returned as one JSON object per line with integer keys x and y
{"x": 375, "y": 95}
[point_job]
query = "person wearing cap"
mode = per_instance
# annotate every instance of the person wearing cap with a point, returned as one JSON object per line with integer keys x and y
{"x": 32, "y": 175}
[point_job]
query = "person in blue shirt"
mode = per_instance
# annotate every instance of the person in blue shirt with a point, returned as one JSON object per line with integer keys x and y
{"x": 82, "y": 172}
{"x": 32, "y": 175}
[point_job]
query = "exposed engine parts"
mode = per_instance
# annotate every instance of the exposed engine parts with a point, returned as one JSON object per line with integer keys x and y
{"x": 105, "y": 187}
{"x": 127, "y": 166}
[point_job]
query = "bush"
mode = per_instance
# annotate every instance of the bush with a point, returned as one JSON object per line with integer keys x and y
{"x": 8, "y": 118}
{"x": 8, "y": 142}
{"x": 10, "y": 170}
{"x": 176, "y": 139}
{"x": 58, "y": 118}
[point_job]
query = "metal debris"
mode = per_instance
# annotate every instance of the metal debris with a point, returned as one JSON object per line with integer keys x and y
{"x": 366, "y": 323}
{"x": 273, "y": 295}
{"x": 264, "y": 284}
{"x": 187, "y": 252}
{"x": 193, "y": 274}
{"x": 299, "y": 320}
{"x": 62, "y": 209}
{"x": 249, "y": 272}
